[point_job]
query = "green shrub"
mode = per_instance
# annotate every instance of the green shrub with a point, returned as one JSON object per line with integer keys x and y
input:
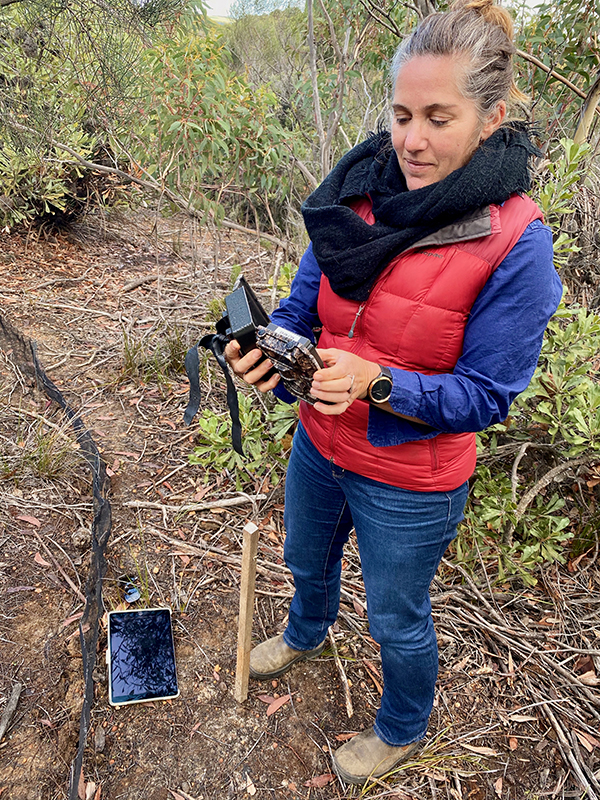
{"x": 263, "y": 441}
{"x": 540, "y": 535}
{"x": 561, "y": 409}
{"x": 207, "y": 134}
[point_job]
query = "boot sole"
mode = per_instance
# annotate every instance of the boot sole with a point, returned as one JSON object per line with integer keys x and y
{"x": 265, "y": 676}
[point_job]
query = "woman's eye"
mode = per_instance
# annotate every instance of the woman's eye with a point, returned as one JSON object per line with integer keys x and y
{"x": 438, "y": 122}
{"x": 401, "y": 120}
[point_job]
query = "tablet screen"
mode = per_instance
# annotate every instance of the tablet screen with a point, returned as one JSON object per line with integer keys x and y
{"x": 141, "y": 656}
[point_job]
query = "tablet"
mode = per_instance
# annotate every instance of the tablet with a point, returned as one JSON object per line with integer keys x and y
{"x": 141, "y": 656}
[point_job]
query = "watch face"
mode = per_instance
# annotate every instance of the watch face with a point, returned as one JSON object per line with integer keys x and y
{"x": 381, "y": 389}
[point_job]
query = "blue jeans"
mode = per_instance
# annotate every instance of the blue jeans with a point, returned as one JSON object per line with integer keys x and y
{"x": 402, "y": 535}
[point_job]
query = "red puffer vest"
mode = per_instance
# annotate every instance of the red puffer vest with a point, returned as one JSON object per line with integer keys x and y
{"x": 414, "y": 319}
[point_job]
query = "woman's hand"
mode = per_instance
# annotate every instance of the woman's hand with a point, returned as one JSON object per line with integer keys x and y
{"x": 245, "y": 367}
{"x": 345, "y": 378}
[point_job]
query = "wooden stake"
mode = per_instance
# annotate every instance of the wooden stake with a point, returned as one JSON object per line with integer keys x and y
{"x": 247, "y": 584}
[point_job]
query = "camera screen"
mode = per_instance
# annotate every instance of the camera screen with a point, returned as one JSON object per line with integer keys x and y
{"x": 141, "y": 656}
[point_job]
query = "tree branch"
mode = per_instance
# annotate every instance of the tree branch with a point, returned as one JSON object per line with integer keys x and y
{"x": 152, "y": 185}
{"x": 390, "y": 24}
{"x": 551, "y": 72}
{"x": 537, "y": 487}
{"x": 588, "y": 108}
{"x": 315, "y": 84}
{"x": 303, "y": 169}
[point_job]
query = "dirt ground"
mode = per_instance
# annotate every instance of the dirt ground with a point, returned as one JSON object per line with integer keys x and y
{"x": 517, "y": 710}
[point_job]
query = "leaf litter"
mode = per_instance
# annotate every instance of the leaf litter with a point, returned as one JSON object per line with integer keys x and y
{"x": 515, "y": 666}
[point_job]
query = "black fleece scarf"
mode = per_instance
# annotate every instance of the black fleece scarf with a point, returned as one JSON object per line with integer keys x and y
{"x": 352, "y": 253}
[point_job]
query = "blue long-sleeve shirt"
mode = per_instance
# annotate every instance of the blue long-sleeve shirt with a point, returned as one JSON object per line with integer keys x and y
{"x": 502, "y": 343}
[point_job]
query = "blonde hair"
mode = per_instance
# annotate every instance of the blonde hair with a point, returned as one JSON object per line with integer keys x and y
{"x": 479, "y": 33}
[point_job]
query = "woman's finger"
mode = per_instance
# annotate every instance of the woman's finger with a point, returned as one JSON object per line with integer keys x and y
{"x": 331, "y": 409}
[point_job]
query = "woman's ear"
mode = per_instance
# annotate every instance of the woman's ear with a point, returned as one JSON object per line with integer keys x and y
{"x": 493, "y": 121}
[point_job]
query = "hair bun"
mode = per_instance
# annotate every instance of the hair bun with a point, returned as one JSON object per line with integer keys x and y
{"x": 492, "y": 13}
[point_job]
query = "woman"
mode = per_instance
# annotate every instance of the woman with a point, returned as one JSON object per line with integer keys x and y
{"x": 431, "y": 274}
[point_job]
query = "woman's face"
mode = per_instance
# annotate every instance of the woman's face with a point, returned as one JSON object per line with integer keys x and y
{"x": 435, "y": 128}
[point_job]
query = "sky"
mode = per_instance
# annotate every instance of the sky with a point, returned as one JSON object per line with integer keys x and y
{"x": 218, "y": 8}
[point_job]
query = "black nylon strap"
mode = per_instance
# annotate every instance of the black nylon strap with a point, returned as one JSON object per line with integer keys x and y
{"x": 216, "y": 343}
{"x": 192, "y": 368}
{"x": 23, "y": 353}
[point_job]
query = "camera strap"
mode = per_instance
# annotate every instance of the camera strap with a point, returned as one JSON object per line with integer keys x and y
{"x": 215, "y": 342}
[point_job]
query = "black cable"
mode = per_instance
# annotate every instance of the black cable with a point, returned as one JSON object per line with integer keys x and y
{"x": 23, "y": 353}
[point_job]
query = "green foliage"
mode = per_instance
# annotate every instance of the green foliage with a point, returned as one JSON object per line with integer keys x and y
{"x": 563, "y": 398}
{"x": 207, "y": 133}
{"x": 559, "y": 186}
{"x": 272, "y": 49}
{"x": 539, "y": 538}
{"x": 285, "y": 277}
{"x": 560, "y": 407}
{"x": 68, "y": 75}
{"x": 561, "y": 34}
{"x": 557, "y": 189}
{"x": 262, "y": 440}
{"x": 33, "y": 185}
{"x": 215, "y": 309}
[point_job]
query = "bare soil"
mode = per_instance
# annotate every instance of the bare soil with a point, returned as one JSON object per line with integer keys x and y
{"x": 512, "y": 659}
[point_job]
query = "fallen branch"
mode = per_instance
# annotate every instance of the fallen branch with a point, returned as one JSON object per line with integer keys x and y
{"x": 10, "y": 709}
{"x": 537, "y": 487}
{"x": 138, "y": 282}
{"x": 514, "y": 475}
{"x": 228, "y": 502}
{"x": 50, "y": 555}
{"x": 568, "y": 754}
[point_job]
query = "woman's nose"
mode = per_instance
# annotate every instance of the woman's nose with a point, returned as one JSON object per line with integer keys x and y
{"x": 415, "y": 136}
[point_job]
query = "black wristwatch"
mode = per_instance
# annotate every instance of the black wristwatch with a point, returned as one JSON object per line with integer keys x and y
{"x": 380, "y": 388}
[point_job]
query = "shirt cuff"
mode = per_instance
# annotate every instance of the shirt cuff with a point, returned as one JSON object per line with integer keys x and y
{"x": 385, "y": 429}
{"x": 406, "y": 392}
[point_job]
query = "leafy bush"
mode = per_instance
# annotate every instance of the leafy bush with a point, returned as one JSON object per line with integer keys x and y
{"x": 560, "y": 410}
{"x": 557, "y": 189}
{"x": 37, "y": 182}
{"x": 69, "y": 75}
{"x": 263, "y": 440}
{"x": 540, "y": 534}
{"x": 207, "y": 134}
{"x": 562, "y": 36}
{"x": 563, "y": 397}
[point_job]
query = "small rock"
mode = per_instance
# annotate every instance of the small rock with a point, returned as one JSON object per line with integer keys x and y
{"x": 99, "y": 675}
{"x": 81, "y": 538}
{"x": 99, "y": 739}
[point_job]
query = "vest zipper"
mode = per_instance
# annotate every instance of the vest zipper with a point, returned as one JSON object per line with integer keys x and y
{"x": 358, "y": 313}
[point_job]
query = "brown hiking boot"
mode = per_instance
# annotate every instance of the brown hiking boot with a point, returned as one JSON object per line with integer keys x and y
{"x": 273, "y": 657}
{"x": 367, "y": 756}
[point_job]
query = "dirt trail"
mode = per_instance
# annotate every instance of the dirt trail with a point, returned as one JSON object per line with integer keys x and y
{"x": 488, "y": 738}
